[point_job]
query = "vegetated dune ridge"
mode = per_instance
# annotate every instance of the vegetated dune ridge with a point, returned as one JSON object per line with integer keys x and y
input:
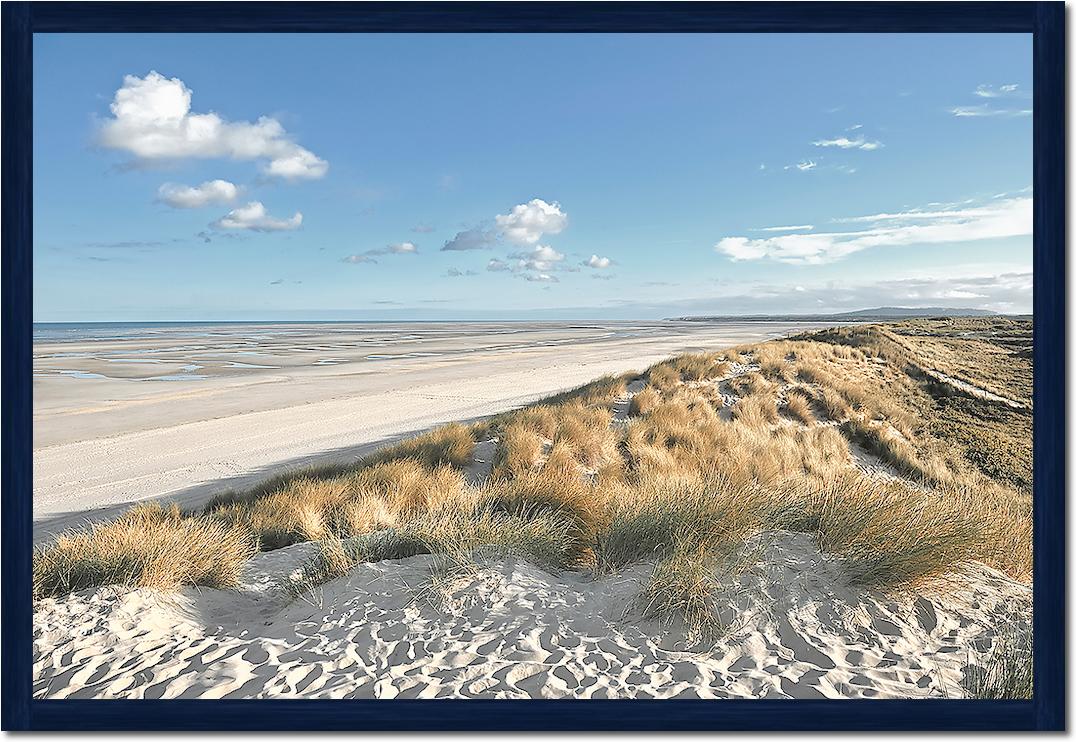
{"x": 264, "y": 398}
{"x": 819, "y": 517}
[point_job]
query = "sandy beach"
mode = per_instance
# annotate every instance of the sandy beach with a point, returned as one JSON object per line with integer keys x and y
{"x": 513, "y": 630}
{"x": 186, "y": 412}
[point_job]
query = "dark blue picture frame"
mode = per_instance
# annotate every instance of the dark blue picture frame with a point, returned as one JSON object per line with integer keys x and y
{"x": 1043, "y": 19}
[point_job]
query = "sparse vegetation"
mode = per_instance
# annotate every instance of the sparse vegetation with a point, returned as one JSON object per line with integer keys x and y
{"x": 1007, "y": 672}
{"x": 684, "y": 483}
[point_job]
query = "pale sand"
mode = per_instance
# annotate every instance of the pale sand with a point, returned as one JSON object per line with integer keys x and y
{"x": 511, "y": 630}
{"x": 101, "y": 444}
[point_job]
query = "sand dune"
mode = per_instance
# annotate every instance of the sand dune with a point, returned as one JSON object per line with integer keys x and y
{"x": 510, "y": 630}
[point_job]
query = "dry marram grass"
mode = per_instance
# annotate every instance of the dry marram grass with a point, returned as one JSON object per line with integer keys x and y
{"x": 684, "y": 483}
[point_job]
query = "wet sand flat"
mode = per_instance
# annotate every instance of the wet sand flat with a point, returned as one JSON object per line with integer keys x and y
{"x": 186, "y": 412}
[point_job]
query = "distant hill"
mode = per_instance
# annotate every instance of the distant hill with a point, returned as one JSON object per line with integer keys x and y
{"x": 903, "y": 312}
{"x": 877, "y": 313}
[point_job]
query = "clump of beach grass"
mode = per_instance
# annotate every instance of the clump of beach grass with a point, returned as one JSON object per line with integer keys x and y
{"x": 644, "y": 401}
{"x": 449, "y": 445}
{"x": 149, "y": 546}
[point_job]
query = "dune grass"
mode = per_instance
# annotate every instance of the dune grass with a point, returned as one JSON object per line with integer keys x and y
{"x": 149, "y": 546}
{"x": 1007, "y": 672}
{"x": 684, "y": 484}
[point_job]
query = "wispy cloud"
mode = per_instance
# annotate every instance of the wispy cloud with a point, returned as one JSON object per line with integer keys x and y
{"x": 541, "y": 277}
{"x": 803, "y": 165}
{"x": 422, "y": 229}
{"x": 993, "y": 220}
{"x": 791, "y": 228}
{"x": 846, "y": 143}
{"x": 368, "y": 256}
{"x": 152, "y": 119}
{"x": 1001, "y": 91}
{"x": 987, "y": 111}
{"x": 399, "y": 248}
{"x": 457, "y": 273}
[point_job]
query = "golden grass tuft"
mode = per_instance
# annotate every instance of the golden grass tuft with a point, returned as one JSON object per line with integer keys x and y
{"x": 149, "y": 546}
{"x": 644, "y": 402}
{"x": 449, "y": 445}
{"x": 798, "y": 407}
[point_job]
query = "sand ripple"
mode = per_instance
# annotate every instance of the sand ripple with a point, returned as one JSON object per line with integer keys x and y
{"x": 511, "y": 630}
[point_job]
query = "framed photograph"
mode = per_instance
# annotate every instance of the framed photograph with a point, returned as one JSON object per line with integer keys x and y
{"x": 533, "y": 366}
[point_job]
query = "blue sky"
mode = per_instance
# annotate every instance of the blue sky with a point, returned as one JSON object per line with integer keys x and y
{"x": 191, "y": 177}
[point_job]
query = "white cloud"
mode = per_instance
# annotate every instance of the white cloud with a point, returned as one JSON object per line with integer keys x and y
{"x": 790, "y": 228}
{"x": 853, "y": 127}
{"x": 846, "y": 143}
{"x": 997, "y": 219}
{"x": 541, "y": 278}
{"x": 526, "y": 223}
{"x": 152, "y": 119}
{"x": 804, "y": 165}
{"x": 984, "y": 110}
{"x": 399, "y": 248}
{"x": 360, "y": 258}
{"x": 212, "y": 192}
{"x": 497, "y": 265}
{"x": 600, "y": 263}
{"x": 541, "y": 258}
{"x": 989, "y": 91}
{"x": 254, "y": 217}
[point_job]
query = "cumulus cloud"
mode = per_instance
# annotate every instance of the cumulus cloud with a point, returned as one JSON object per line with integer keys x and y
{"x": 541, "y": 277}
{"x": 471, "y": 239}
{"x": 152, "y": 119}
{"x": 212, "y": 192}
{"x": 526, "y": 223}
{"x": 597, "y": 262}
{"x": 997, "y": 219}
{"x": 846, "y": 143}
{"x": 255, "y": 218}
{"x": 497, "y": 265}
{"x": 541, "y": 258}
